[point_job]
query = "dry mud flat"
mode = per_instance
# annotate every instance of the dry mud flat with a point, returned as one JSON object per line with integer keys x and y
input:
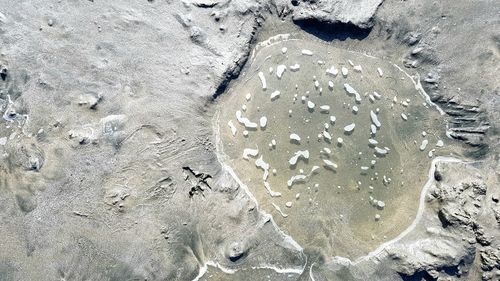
{"x": 109, "y": 162}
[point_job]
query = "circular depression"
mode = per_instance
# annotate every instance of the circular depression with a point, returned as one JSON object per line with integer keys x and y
{"x": 335, "y": 144}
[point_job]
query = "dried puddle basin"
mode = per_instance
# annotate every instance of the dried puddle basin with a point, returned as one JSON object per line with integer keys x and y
{"x": 335, "y": 144}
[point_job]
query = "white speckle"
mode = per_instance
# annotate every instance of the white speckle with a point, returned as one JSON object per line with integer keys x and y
{"x": 288, "y": 204}
{"x": 329, "y": 164}
{"x": 404, "y": 116}
{"x": 316, "y": 84}
{"x": 295, "y": 67}
{"x": 373, "y": 129}
{"x": 327, "y": 150}
{"x": 244, "y": 107}
{"x": 327, "y": 136}
{"x": 324, "y": 108}
{"x": 297, "y": 196}
{"x": 377, "y": 216}
{"x": 380, "y": 204}
{"x": 307, "y": 52}
{"x": 299, "y": 154}
{"x": 423, "y": 145}
{"x": 332, "y": 71}
{"x": 247, "y": 123}
{"x": 310, "y": 105}
{"x": 340, "y": 140}
{"x": 321, "y": 62}
{"x": 295, "y": 137}
{"x": 3, "y": 141}
{"x": 262, "y": 80}
{"x": 296, "y": 179}
{"x": 248, "y": 96}
{"x": 350, "y": 90}
{"x": 358, "y": 68}
{"x": 273, "y": 142}
{"x": 344, "y": 71}
{"x": 250, "y": 152}
{"x": 272, "y": 193}
{"x": 374, "y": 119}
{"x": 355, "y": 109}
{"x": 350, "y": 62}
{"x": 283, "y": 50}
{"x": 330, "y": 85}
{"x": 275, "y": 95}
{"x": 380, "y": 72}
{"x": 280, "y": 69}
{"x": 424, "y": 133}
{"x": 245, "y": 133}
{"x": 440, "y": 143}
{"x": 263, "y": 122}
{"x": 349, "y": 128}
{"x": 333, "y": 119}
{"x": 232, "y": 127}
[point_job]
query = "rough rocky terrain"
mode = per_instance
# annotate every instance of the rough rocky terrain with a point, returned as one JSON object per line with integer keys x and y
{"x": 109, "y": 169}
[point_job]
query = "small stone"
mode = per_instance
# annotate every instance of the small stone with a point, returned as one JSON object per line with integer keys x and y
{"x": 495, "y": 198}
{"x": 377, "y": 217}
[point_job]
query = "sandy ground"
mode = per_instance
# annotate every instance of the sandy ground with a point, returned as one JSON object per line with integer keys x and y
{"x": 109, "y": 168}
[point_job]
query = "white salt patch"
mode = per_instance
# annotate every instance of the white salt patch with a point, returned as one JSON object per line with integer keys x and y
{"x": 280, "y": 69}
{"x": 358, "y": 68}
{"x": 264, "y": 166}
{"x": 423, "y": 145}
{"x": 404, "y": 116}
{"x": 250, "y": 152}
{"x": 296, "y": 179}
{"x": 440, "y": 143}
{"x": 332, "y": 71}
{"x": 247, "y": 123}
{"x": 288, "y": 204}
{"x": 263, "y": 122}
{"x": 279, "y": 210}
{"x": 299, "y": 154}
{"x": 248, "y": 96}
{"x": 327, "y": 136}
{"x": 374, "y": 119}
{"x": 350, "y": 90}
{"x": 349, "y": 128}
{"x": 380, "y": 151}
{"x": 295, "y": 137}
{"x": 380, "y": 72}
{"x": 344, "y": 71}
{"x": 270, "y": 191}
{"x": 329, "y": 164}
{"x": 310, "y": 104}
{"x": 295, "y": 67}
{"x": 307, "y": 52}
{"x": 324, "y": 108}
{"x": 232, "y": 127}
{"x": 276, "y": 94}
{"x": 262, "y": 80}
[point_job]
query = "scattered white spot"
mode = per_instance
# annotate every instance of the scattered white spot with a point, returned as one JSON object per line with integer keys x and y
{"x": 327, "y": 136}
{"x": 355, "y": 109}
{"x": 380, "y": 72}
{"x": 310, "y": 104}
{"x": 373, "y": 129}
{"x": 329, "y": 164}
{"x": 276, "y": 94}
{"x": 263, "y": 122}
{"x": 232, "y": 127}
{"x": 280, "y": 69}
{"x": 248, "y": 96}
{"x": 288, "y": 204}
{"x": 295, "y": 137}
{"x": 423, "y": 145}
{"x": 333, "y": 119}
{"x": 358, "y": 68}
{"x": 440, "y": 143}
{"x": 349, "y": 128}
{"x": 340, "y": 140}
{"x": 307, "y": 52}
{"x": 332, "y": 71}
{"x": 344, "y": 71}
{"x": 404, "y": 116}
{"x": 330, "y": 85}
{"x": 3, "y": 141}
{"x": 295, "y": 67}
{"x": 299, "y": 154}
{"x": 262, "y": 80}
{"x": 374, "y": 118}
{"x": 250, "y": 152}
{"x": 283, "y": 50}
